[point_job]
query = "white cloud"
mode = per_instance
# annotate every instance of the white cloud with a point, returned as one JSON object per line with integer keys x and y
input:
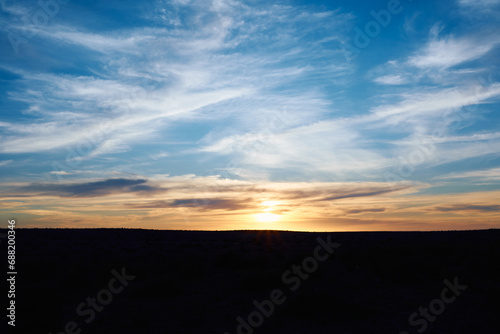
{"x": 221, "y": 66}
{"x": 391, "y": 80}
{"x": 409, "y": 24}
{"x": 149, "y": 78}
{"x": 428, "y": 103}
{"x": 470, "y": 138}
{"x": 6, "y": 162}
{"x": 491, "y": 174}
{"x": 333, "y": 146}
{"x": 451, "y": 51}
{"x": 479, "y": 3}
{"x": 61, "y": 173}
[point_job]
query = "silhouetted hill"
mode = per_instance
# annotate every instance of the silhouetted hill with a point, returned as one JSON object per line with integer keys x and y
{"x": 201, "y": 282}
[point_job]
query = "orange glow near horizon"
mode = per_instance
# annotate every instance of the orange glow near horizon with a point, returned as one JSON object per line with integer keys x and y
{"x": 277, "y": 208}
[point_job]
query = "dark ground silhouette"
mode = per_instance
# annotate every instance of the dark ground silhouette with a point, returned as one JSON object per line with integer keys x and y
{"x": 200, "y": 282}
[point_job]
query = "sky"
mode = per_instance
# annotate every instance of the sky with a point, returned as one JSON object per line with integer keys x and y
{"x": 223, "y": 115}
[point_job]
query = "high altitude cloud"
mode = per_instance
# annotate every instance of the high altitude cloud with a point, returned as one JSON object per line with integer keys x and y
{"x": 220, "y": 51}
{"x": 468, "y": 207}
{"x": 451, "y": 51}
{"x": 208, "y": 188}
{"x": 479, "y": 3}
{"x": 89, "y": 189}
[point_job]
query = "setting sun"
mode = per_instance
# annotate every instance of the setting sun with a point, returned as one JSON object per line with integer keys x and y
{"x": 267, "y": 217}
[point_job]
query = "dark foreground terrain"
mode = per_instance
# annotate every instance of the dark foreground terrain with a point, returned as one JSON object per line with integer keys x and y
{"x": 145, "y": 281}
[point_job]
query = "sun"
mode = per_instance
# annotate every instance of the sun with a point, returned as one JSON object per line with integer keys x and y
{"x": 267, "y": 217}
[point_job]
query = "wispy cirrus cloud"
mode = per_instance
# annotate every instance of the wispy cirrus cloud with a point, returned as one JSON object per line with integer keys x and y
{"x": 391, "y": 80}
{"x": 445, "y": 59}
{"x": 209, "y": 186}
{"x": 468, "y": 207}
{"x": 479, "y": 4}
{"x": 365, "y": 210}
{"x": 427, "y": 102}
{"x": 88, "y": 189}
{"x": 450, "y": 51}
{"x": 492, "y": 174}
{"x": 204, "y": 68}
{"x": 201, "y": 204}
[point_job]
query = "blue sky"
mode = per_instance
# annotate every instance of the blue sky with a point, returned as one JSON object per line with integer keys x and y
{"x": 334, "y": 115}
